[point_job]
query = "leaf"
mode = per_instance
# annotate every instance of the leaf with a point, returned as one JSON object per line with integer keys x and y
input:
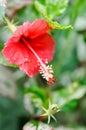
{"x": 35, "y": 97}
{"x": 37, "y": 92}
{"x": 52, "y": 8}
{"x": 79, "y": 93}
{"x": 69, "y": 96}
{"x": 53, "y": 24}
{"x": 41, "y": 9}
{"x": 77, "y": 9}
{"x": 56, "y": 7}
{"x": 10, "y": 111}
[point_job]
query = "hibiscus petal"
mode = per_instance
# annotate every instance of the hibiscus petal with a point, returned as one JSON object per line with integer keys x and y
{"x": 30, "y": 67}
{"x": 15, "y": 52}
{"x": 44, "y": 46}
{"x": 22, "y": 30}
{"x": 37, "y": 28}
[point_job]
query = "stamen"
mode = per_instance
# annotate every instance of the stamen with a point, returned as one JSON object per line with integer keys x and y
{"x": 46, "y": 73}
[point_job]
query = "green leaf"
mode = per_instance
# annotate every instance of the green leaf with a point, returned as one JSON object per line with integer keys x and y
{"x": 69, "y": 96}
{"x": 56, "y": 7}
{"x": 52, "y": 8}
{"x": 10, "y": 110}
{"x": 37, "y": 98}
{"x": 43, "y": 11}
{"x": 37, "y": 92}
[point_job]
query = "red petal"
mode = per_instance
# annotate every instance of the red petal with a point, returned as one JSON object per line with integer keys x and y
{"x": 37, "y": 28}
{"x": 44, "y": 46}
{"x": 15, "y": 52}
{"x": 22, "y": 30}
{"x": 18, "y": 53}
{"x": 29, "y": 68}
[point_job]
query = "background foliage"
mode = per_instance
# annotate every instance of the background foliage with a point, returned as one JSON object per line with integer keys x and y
{"x": 21, "y": 97}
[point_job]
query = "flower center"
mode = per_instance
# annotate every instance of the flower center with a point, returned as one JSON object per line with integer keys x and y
{"x": 45, "y": 70}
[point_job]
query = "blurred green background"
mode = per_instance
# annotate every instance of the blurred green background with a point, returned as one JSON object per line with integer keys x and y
{"x": 21, "y": 97}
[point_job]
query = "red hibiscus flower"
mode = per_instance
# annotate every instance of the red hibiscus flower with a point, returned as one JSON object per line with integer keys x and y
{"x": 31, "y": 48}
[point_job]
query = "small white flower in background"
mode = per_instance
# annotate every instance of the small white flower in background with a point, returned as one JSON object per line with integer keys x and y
{"x": 3, "y": 3}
